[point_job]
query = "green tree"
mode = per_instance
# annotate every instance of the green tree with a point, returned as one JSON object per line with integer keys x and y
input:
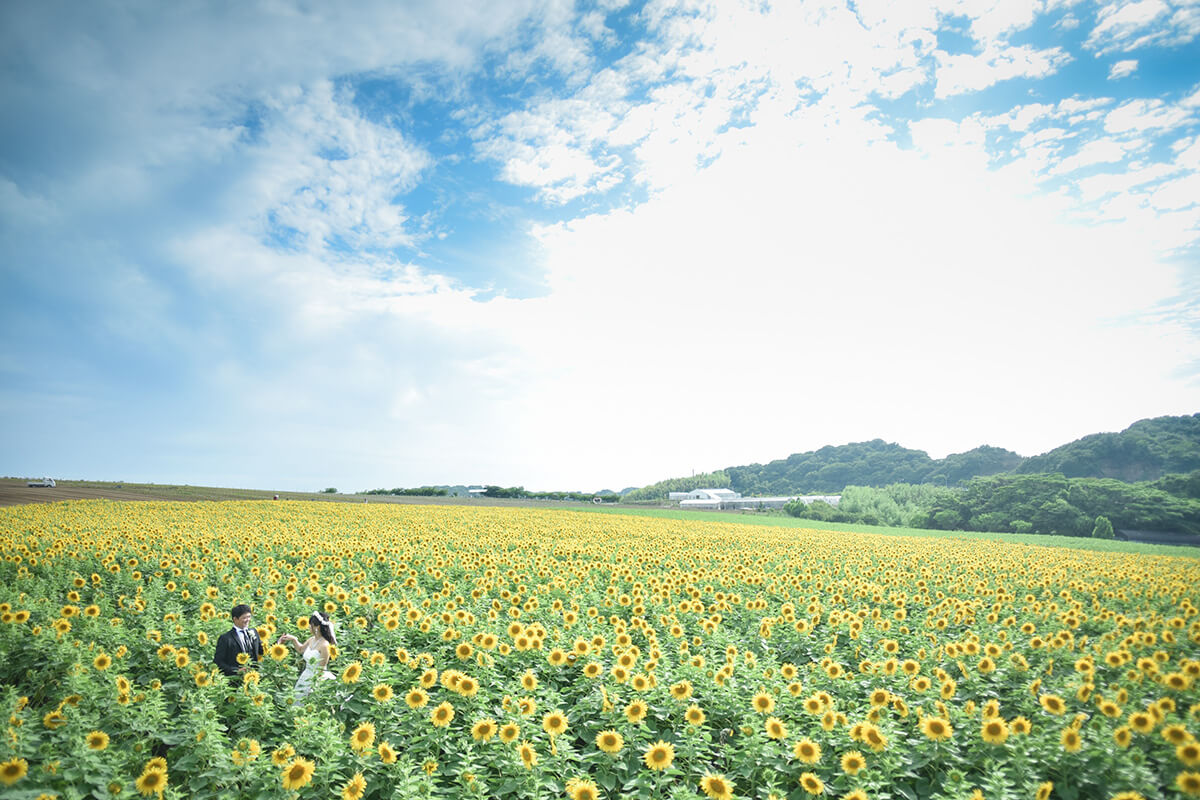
{"x": 1103, "y": 529}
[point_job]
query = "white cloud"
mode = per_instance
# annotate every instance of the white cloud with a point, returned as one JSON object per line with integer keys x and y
{"x": 327, "y": 174}
{"x": 957, "y": 74}
{"x": 1179, "y": 193}
{"x": 1096, "y": 151}
{"x": 1143, "y": 115}
{"x": 811, "y": 254}
{"x": 1128, "y": 26}
{"x": 1122, "y": 69}
{"x": 1094, "y": 187}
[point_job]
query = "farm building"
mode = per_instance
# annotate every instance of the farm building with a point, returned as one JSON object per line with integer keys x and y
{"x": 704, "y": 494}
{"x": 716, "y": 499}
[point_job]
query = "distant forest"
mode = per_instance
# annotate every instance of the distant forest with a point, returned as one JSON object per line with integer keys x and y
{"x": 1145, "y": 477}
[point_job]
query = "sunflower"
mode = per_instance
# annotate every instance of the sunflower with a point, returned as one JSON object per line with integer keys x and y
{"x": 763, "y": 703}
{"x": 1141, "y": 722}
{"x": 857, "y": 794}
{"x": 1176, "y": 734}
{"x": 681, "y": 690}
{"x": 1177, "y": 681}
{"x": 694, "y": 715}
{"x": 936, "y": 728}
{"x": 13, "y": 770}
{"x": 880, "y": 697}
{"x": 151, "y": 782}
{"x": 1188, "y": 783}
{"x": 716, "y": 786}
{"x": 298, "y": 774}
{"x": 363, "y": 737}
{"x": 807, "y": 750}
{"x": 158, "y": 764}
{"x": 659, "y": 755}
{"x": 352, "y": 672}
{"x": 354, "y": 788}
{"x": 278, "y": 652}
{"x": 529, "y": 756}
{"x": 282, "y": 755}
{"x": 484, "y": 730}
{"x": 635, "y": 712}
{"x": 994, "y": 731}
{"x": 592, "y": 670}
{"x": 1122, "y": 736}
{"x": 383, "y": 693}
{"x": 526, "y": 706}
{"x": 97, "y": 740}
{"x": 775, "y": 728}
{"x": 555, "y": 723}
{"x": 1053, "y": 703}
{"x": 416, "y": 698}
{"x": 582, "y": 790}
{"x": 811, "y": 783}
{"x": 1070, "y": 740}
{"x": 509, "y": 732}
{"x": 442, "y": 715}
{"x": 1020, "y": 726}
{"x": 813, "y": 705}
{"x": 529, "y": 681}
{"x": 610, "y": 741}
{"x": 102, "y": 661}
{"x": 853, "y": 762}
{"x": 875, "y": 738}
{"x": 1044, "y": 789}
{"x": 1189, "y": 754}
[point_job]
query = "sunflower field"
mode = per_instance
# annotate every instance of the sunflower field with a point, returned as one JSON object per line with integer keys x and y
{"x": 528, "y": 653}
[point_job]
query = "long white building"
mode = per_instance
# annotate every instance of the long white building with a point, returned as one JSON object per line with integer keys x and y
{"x": 717, "y": 499}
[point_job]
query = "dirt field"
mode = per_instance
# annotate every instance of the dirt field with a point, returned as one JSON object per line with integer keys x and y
{"x": 14, "y": 492}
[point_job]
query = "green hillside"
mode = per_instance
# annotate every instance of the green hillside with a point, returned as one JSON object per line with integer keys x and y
{"x": 1147, "y": 450}
{"x": 873, "y": 463}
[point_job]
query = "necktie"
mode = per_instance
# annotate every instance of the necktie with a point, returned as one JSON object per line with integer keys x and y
{"x": 245, "y": 637}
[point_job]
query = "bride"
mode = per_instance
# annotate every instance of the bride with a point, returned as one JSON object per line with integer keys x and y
{"x": 314, "y": 651}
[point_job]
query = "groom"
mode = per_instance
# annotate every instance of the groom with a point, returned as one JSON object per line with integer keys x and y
{"x": 241, "y": 639}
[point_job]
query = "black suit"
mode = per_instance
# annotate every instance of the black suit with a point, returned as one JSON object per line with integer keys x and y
{"x": 230, "y": 644}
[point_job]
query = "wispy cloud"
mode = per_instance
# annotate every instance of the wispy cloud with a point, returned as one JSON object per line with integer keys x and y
{"x": 1130, "y": 26}
{"x": 1122, "y": 69}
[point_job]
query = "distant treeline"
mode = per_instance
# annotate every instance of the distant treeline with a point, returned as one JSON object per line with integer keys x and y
{"x": 1045, "y": 504}
{"x": 519, "y": 492}
{"x": 419, "y": 491}
{"x": 658, "y": 491}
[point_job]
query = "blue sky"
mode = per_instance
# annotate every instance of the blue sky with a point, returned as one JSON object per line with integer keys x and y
{"x": 586, "y": 245}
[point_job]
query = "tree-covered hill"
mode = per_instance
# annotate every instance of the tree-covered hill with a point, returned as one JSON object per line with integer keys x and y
{"x": 1145, "y": 451}
{"x": 873, "y": 463}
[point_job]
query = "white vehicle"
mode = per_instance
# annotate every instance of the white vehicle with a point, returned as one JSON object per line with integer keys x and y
{"x": 43, "y": 482}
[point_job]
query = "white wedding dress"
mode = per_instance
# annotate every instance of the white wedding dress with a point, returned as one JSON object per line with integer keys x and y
{"x": 304, "y": 685}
